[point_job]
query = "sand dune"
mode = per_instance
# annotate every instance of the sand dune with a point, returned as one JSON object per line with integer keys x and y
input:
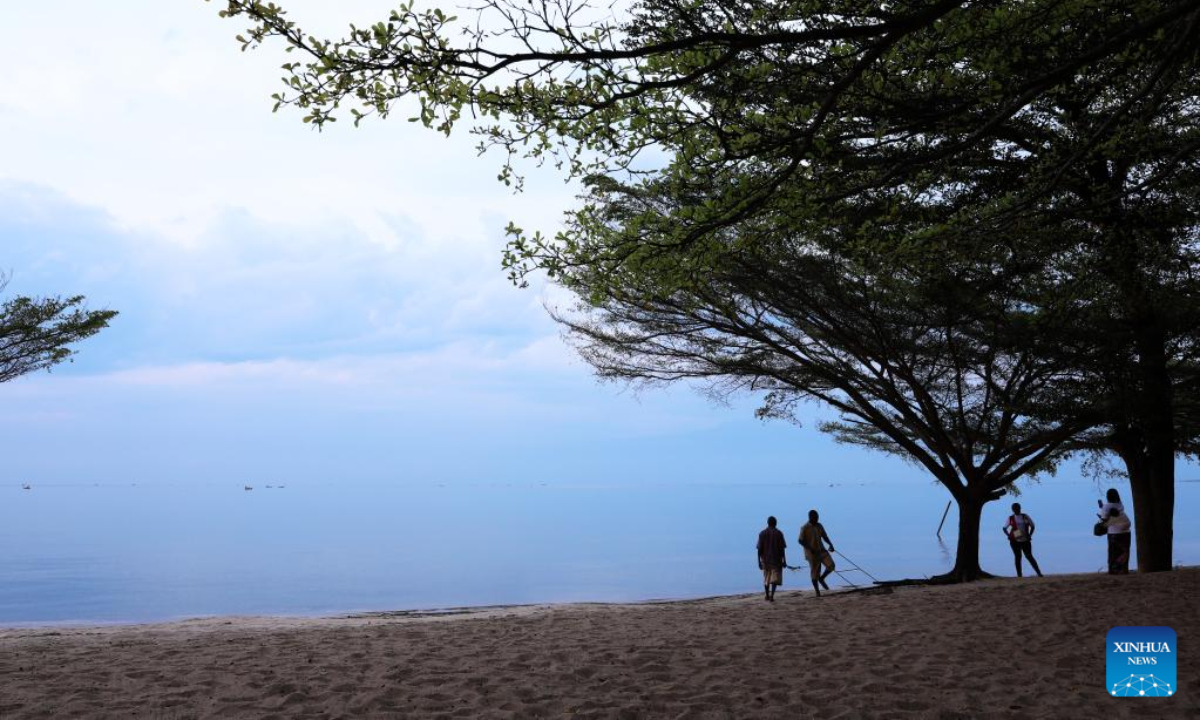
{"x": 1006, "y": 648}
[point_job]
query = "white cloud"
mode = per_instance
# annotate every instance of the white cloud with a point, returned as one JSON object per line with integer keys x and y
{"x": 148, "y": 110}
{"x": 294, "y": 302}
{"x": 456, "y": 366}
{"x": 249, "y": 289}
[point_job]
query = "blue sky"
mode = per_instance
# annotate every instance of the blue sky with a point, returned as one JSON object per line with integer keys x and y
{"x": 302, "y": 306}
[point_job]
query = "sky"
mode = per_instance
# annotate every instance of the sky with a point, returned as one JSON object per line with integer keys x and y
{"x": 307, "y": 306}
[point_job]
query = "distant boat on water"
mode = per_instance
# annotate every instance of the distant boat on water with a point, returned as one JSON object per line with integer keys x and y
{"x": 26, "y": 486}
{"x": 247, "y": 487}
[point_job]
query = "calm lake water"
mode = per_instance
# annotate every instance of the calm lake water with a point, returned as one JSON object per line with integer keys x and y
{"x": 85, "y": 553}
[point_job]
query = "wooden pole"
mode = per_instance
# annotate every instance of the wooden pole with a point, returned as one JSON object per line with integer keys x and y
{"x": 943, "y": 522}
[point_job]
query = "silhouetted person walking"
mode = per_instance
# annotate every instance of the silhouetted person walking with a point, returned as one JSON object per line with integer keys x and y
{"x": 811, "y": 537}
{"x": 771, "y": 558}
{"x": 1019, "y": 529}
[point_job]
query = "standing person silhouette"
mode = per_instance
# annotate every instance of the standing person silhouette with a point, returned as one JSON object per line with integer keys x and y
{"x": 811, "y": 537}
{"x": 771, "y": 558}
{"x": 1019, "y": 529}
{"x": 1120, "y": 541}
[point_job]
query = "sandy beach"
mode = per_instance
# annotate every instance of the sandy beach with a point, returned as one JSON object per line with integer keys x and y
{"x": 1001, "y": 648}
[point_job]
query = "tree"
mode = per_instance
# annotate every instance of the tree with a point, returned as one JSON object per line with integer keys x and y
{"x": 1111, "y": 163}
{"x": 914, "y": 366}
{"x": 754, "y": 79}
{"x": 36, "y": 333}
{"x": 983, "y": 114}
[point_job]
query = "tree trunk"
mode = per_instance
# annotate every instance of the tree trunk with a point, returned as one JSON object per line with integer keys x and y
{"x": 1152, "y": 481}
{"x": 966, "y": 559}
{"x": 1152, "y": 474}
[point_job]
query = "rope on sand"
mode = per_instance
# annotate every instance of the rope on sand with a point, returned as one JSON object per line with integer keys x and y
{"x": 853, "y": 566}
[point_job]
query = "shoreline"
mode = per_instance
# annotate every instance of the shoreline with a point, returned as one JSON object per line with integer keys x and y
{"x": 462, "y": 612}
{"x": 459, "y": 612}
{"x": 996, "y": 648}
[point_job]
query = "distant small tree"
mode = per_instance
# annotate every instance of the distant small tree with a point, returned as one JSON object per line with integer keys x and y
{"x": 36, "y": 333}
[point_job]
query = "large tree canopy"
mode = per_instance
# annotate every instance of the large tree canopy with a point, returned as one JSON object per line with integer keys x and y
{"x": 756, "y": 79}
{"x": 927, "y": 365}
{"x": 1056, "y": 139}
{"x": 1115, "y": 171}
